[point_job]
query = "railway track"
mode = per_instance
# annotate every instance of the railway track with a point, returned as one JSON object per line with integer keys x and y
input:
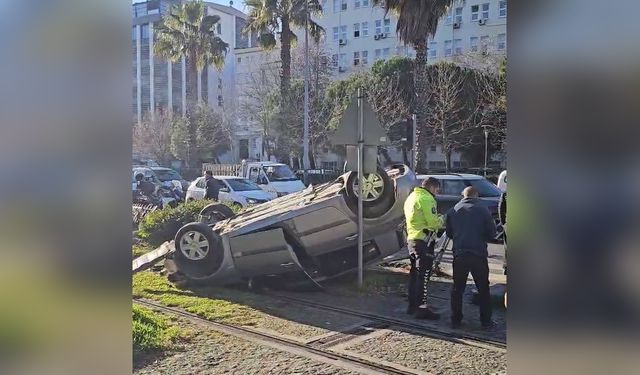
{"x": 341, "y": 359}
{"x": 452, "y": 336}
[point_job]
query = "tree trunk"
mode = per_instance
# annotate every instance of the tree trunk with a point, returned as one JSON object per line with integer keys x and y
{"x": 447, "y": 160}
{"x": 421, "y": 87}
{"x": 285, "y": 59}
{"x": 192, "y": 84}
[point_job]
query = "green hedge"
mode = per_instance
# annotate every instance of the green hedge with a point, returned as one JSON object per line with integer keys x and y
{"x": 162, "y": 225}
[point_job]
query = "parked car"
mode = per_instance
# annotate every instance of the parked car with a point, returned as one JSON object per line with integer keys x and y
{"x": 168, "y": 175}
{"x": 234, "y": 191}
{"x": 273, "y": 177}
{"x": 452, "y": 184}
{"x": 309, "y": 234}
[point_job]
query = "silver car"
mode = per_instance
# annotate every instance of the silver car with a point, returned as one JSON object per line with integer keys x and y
{"x": 312, "y": 232}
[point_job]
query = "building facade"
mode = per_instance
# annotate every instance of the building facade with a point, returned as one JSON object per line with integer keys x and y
{"x": 160, "y": 85}
{"x": 359, "y": 33}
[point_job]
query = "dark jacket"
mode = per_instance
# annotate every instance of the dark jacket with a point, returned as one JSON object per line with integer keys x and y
{"x": 213, "y": 188}
{"x": 470, "y": 225}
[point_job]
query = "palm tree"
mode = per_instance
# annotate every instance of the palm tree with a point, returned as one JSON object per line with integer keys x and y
{"x": 417, "y": 20}
{"x": 271, "y": 17}
{"x": 188, "y": 31}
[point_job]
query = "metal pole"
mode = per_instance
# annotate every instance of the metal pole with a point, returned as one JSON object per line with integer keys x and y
{"x": 305, "y": 141}
{"x": 360, "y": 183}
{"x": 486, "y": 150}
{"x": 414, "y": 155}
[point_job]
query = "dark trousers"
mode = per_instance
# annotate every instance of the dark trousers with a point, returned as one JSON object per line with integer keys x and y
{"x": 479, "y": 268}
{"x": 421, "y": 257}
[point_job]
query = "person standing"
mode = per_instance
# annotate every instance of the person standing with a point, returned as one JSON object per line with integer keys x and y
{"x": 212, "y": 185}
{"x": 423, "y": 223}
{"x": 470, "y": 225}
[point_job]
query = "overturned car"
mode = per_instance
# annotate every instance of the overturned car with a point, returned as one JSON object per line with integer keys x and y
{"x": 309, "y": 234}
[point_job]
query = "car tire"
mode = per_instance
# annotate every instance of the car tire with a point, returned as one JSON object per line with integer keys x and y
{"x": 381, "y": 194}
{"x": 199, "y": 251}
{"x": 215, "y": 212}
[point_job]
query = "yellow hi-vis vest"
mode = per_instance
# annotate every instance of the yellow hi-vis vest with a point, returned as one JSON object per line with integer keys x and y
{"x": 421, "y": 212}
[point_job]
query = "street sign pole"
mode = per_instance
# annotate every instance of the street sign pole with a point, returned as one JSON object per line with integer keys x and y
{"x": 360, "y": 183}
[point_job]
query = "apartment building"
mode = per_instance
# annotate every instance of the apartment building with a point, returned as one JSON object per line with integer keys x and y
{"x": 359, "y": 33}
{"x": 160, "y": 84}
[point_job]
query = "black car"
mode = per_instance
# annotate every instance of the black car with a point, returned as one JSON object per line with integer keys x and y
{"x": 452, "y": 184}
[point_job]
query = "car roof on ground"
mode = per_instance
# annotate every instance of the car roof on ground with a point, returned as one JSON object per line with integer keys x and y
{"x": 451, "y": 176}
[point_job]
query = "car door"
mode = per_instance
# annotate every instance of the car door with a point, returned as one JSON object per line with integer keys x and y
{"x": 225, "y": 193}
{"x": 450, "y": 194}
{"x": 199, "y": 190}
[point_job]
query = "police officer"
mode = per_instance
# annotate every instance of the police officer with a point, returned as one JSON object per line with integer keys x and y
{"x": 423, "y": 223}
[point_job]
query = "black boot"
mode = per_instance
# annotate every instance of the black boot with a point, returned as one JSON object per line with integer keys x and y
{"x": 426, "y": 313}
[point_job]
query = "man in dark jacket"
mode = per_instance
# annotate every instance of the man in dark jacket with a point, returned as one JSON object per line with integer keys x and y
{"x": 212, "y": 185}
{"x": 471, "y": 226}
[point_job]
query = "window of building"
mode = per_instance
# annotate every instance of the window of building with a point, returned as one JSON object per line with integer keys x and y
{"x": 378, "y": 27}
{"x": 449, "y": 17}
{"x": 457, "y": 46}
{"x": 334, "y": 60}
{"x": 133, "y": 33}
{"x": 356, "y": 4}
{"x": 475, "y": 12}
{"x": 336, "y": 5}
{"x": 485, "y": 11}
{"x": 336, "y": 33}
{"x": 484, "y": 43}
{"x": 459, "y": 15}
{"x": 387, "y": 26}
{"x": 343, "y": 60}
{"x": 344, "y": 5}
{"x": 343, "y": 32}
{"x": 473, "y": 43}
{"x": 385, "y": 53}
{"x": 356, "y": 58}
{"x": 145, "y": 31}
{"x": 502, "y": 9}
{"x": 365, "y": 57}
{"x": 447, "y": 48}
{"x": 433, "y": 50}
{"x": 502, "y": 42}
{"x": 365, "y": 29}
{"x": 365, "y": 3}
{"x": 433, "y": 148}
{"x": 220, "y": 101}
{"x": 219, "y": 28}
{"x": 329, "y": 165}
{"x": 378, "y": 54}
{"x": 356, "y": 30}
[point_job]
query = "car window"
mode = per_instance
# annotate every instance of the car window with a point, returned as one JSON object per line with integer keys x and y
{"x": 484, "y": 187}
{"x": 200, "y": 183}
{"x": 242, "y": 184}
{"x": 452, "y": 187}
{"x": 254, "y": 172}
{"x": 167, "y": 174}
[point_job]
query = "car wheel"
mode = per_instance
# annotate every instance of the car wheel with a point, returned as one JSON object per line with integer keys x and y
{"x": 378, "y": 193}
{"x": 199, "y": 251}
{"x": 215, "y": 212}
{"x": 237, "y": 206}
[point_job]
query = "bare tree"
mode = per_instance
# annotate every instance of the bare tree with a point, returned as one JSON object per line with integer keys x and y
{"x": 454, "y": 107}
{"x": 152, "y": 136}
